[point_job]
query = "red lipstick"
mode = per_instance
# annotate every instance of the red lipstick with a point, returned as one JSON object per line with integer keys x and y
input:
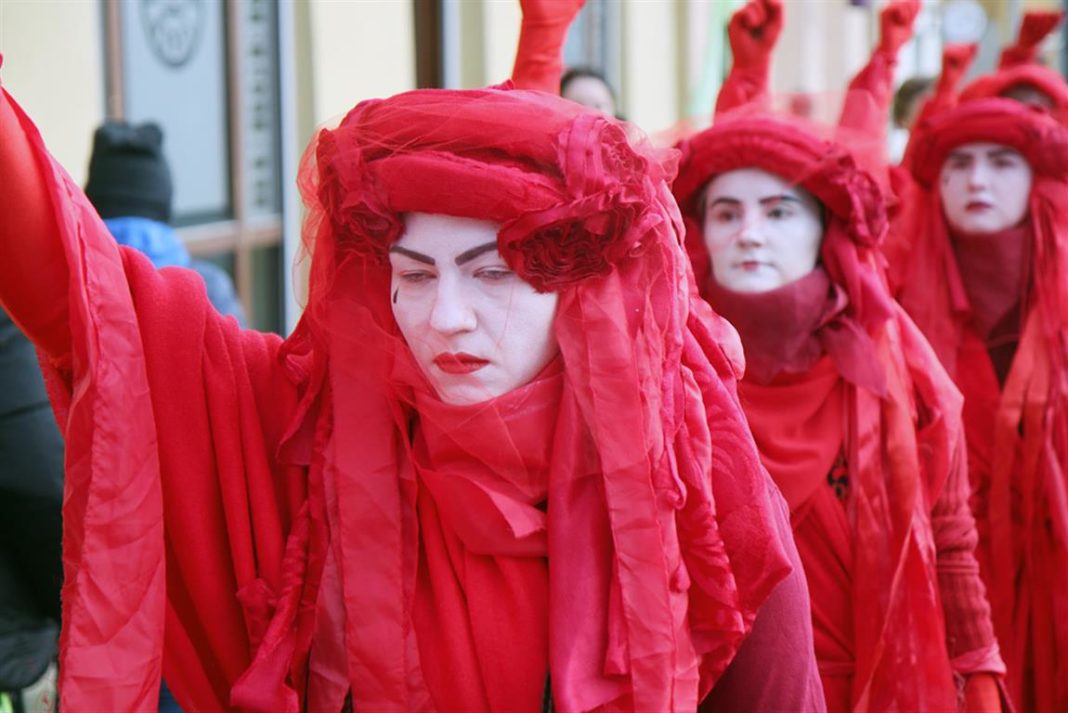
{"x": 459, "y": 363}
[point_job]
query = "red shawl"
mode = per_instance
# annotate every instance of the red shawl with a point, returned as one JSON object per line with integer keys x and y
{"x": 1018, "y": 434}
{"x": 321, "y": 518}
{"x": 895, "y": 588}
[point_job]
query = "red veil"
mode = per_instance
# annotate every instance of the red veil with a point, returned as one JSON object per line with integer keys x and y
{"x": 910, "y": 604}
{"x": 608, "y": 524}
{"x": 1018, "y": 432}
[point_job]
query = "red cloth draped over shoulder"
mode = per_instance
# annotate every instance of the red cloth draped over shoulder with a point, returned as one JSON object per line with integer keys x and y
{"x": 316, "y": 507}
{"x": 170, "y": 413}
{"x": 1018, "y": 432}
{"x": 894, "y": 582}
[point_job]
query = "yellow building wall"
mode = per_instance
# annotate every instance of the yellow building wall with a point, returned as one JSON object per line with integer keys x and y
{"x": 650, "y": 63}
{"x": 502, "y": 18}
{"x": 359, "y": 49}
{"x": 54, "y": 66}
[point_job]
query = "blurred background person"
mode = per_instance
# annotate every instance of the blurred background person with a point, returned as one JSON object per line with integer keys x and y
{"x": 908, "y": 99}
{"x": 31, "y": 494}
{"x": 588, "y": 87}
{"x": 131, "y": 188}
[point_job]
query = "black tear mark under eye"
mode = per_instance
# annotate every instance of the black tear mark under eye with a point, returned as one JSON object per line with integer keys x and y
{"x": 395, "y": 293}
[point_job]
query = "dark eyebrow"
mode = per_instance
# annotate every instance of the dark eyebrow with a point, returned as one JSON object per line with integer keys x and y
{"x": 1002, "y": 152}
{"x": 469, "y": 255}
{"x": 723, "y": 199}
{"x": 763, "y": 201}
{"x": 420, "y": 257}
{"x": 784, "y": 198}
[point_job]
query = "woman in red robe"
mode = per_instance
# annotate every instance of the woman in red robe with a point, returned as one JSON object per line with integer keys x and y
{"x": 983, "y": 270}
{"x": 481, "y": 475}
{"x": 855, "y": 419}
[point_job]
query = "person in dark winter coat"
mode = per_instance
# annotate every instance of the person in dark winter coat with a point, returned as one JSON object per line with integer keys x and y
{"x": 31, "y": 496}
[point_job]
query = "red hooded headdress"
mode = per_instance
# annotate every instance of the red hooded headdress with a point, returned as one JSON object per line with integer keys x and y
{"x": 866, "y": 387}
{"x": 1018, "y": 431}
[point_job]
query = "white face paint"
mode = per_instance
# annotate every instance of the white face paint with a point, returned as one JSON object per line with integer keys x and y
{"x": 985, "y": 188}
{"x": 476, "y": 328}
{"x": 761, "y": 232}
{"x": 591, "y": 92}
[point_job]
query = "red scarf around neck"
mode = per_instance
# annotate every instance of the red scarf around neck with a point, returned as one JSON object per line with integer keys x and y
{"x": 788, "y": 329}
{"x": 995, "y": 271}
{"x": 482, "y": 597}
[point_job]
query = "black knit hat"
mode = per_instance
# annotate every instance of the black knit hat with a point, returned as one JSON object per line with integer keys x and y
{"x": 128, "y": 175}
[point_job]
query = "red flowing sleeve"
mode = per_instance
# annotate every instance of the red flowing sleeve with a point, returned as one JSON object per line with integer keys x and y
{"x": 867, "y": 102}
{"x": 753, "y": 32}
{"x": 1035, "y": 27}
{"x": 539, "y": 56}
{"x": 33, "y": 288}
{"x": 176, "y": 508}
{"x": 970, "y": 640}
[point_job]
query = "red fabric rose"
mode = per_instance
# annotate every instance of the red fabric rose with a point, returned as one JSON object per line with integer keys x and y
{"x": 563, "y": 245}
{"x": 611, "y": 190}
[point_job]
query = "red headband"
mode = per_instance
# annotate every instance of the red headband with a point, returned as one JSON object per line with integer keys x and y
{"x": 1041, "y": 140}
{"x": 572, "y": 194}
{"x": 1036, "y": 76}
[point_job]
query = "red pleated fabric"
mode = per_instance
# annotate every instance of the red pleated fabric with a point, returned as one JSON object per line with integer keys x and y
{"x": 330, "y": 529}
{"x": 170, "y": 414}
{"x": 1018, "y": 445}
{"x": 897, "y": 601}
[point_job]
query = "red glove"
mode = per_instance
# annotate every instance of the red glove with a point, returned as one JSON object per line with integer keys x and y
{"x": 753, "y": 32}
{"x": 539, "y": 56}
{"x": 1036, "y": 26}
{"x": 981, "y": 694}
{"x": 956, "y": 59}
{"x": 895, "y": 24}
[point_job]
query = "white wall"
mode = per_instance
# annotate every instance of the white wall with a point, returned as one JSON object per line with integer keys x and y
{"x": 54, "y": 66}
{"x": 360, "y": 49}
{"x": 651, "y": 70}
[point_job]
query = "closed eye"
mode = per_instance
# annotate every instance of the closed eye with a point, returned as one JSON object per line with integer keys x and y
{"x": 416, "y": 277}
{"x": 494, "y": 274}
{"x": 724, "y": 215}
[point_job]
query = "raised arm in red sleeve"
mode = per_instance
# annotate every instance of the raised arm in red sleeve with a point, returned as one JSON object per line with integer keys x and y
{"x": 33, "y": 281}
{"x": 1036, "y": 27}
{"x": 539, "y": 56}
{"x": 867, "y": 101}
{"x": 753, "y": 32}
{"x": 956, "y": 59}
